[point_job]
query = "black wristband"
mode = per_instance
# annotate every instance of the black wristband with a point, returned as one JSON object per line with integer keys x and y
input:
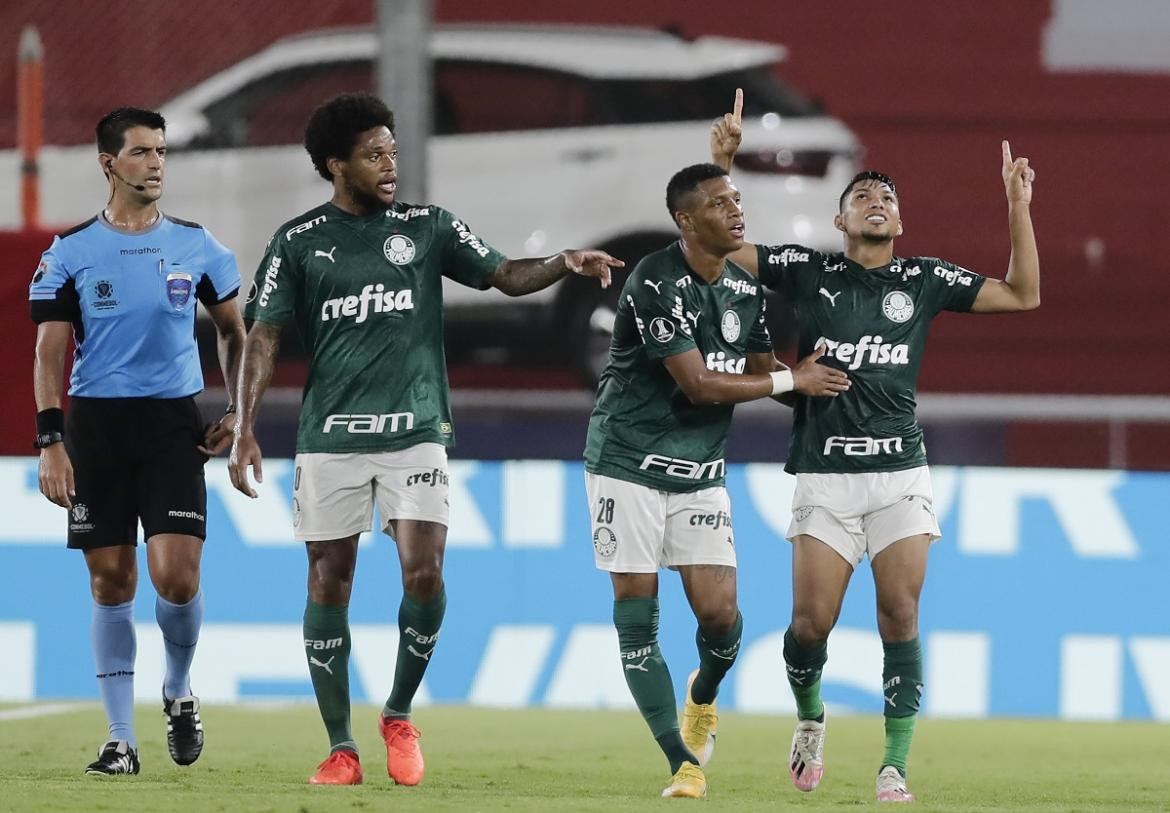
{"x": 51, "y": 420}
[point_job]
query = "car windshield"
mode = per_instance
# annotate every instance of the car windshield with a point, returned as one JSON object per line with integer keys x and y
{"x": 474, "y": 97}
{"x": 646, "y": 101}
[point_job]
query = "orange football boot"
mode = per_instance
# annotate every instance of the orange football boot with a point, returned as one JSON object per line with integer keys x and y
{"x": 339, "y": 768}
{"x": 404, "y": 759}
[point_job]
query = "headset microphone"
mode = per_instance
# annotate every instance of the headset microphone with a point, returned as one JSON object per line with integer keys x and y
{"x": 139, "y": 187}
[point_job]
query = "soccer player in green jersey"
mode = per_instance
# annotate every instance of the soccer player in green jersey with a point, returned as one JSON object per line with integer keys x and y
{"x": 361, "y": 276}
{"x": 689, "y": 342}
{"x": 862, "y": 483}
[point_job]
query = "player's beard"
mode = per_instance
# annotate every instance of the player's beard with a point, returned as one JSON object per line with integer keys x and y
{"x": 876, "y": 239}
{"x": 368, "y": 202}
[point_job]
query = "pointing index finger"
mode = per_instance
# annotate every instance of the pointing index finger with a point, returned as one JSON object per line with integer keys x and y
{"x": 737, "y": 111}
{"x": 1007, "y": 153}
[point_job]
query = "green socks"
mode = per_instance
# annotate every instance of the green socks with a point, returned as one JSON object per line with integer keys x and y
{"x": 902, "y": 688}
{"x": 716, "y": 655}
{"x": 804, "y": 666}
{"x": 327, "y": 646}
{"x": 418, "y": 630}
{"x": 646, "y": 674}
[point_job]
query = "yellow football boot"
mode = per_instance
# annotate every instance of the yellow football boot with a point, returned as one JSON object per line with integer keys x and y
{"x": 699, "y": 722}
{"x": 688, "y": 782}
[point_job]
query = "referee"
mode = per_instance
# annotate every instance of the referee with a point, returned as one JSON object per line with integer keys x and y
{"x": 124, "y": 283}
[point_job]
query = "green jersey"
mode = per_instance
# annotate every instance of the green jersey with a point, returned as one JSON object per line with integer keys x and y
{"x": 367, "y": 297}
{"x": 644, "y": 429}
{"x": 873, "y": 325}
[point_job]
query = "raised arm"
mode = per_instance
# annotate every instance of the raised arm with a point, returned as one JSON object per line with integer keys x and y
{"x": 259, "y": 360}
{"x": 519, "y": 277}
{"x": 726, "y": 133}
{"x": 229, "y": 328}
{"x": 702, "y": 386}
{"x": 1020, "y": 289}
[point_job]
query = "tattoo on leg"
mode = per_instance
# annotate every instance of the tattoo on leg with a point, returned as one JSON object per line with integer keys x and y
{"x": 721, "y": 573}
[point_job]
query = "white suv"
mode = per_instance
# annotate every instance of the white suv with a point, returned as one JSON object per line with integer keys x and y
{"x": 544, "y": 138}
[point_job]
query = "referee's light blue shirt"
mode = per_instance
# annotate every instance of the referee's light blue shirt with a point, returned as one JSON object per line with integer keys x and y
{"x": 131, "y": 300}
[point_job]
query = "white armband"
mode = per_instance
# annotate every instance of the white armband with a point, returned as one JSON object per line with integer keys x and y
{"x": 782, "y": 382}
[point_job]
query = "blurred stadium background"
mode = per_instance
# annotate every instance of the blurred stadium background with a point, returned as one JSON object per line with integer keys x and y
{"x": 1050, "y": 430}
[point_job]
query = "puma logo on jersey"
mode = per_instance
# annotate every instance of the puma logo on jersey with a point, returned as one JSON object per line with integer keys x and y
{"x": 327, "y": 254}
{"x": 831, "y": 297}
{"x": 654, "y": 285}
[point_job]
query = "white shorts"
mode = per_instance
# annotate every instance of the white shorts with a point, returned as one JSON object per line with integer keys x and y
{"x": 334, "y": 494}
{"x": 856, "y": 514}
{"x": 637, "y": 529}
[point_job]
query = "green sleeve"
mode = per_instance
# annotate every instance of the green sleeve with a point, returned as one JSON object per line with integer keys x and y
{"x": 272, "y": 297}
{"x": 466, "y": 258}
{"x": 950, "y": 287}
{"x": 789, "y": 268}
{"x": 657, "y": 306}
{"x": 760, "y": 340}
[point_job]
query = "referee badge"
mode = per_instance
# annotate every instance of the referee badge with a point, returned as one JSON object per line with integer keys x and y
{"x": 178, "y": 289}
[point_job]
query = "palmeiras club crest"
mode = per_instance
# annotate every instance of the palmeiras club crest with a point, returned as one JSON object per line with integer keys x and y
{"x": 730, "y": 325}
{"x": 178, "y": 290}
{"x": 399, "y": 249}
{"x": 898, "y": 306}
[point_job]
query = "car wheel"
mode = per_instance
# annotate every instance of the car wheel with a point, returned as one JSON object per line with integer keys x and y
{"x": 586, "y": 311}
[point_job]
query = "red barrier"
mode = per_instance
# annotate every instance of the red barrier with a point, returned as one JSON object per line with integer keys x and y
{"x": 21, "y": 251}
{"x": 930, "y": 88}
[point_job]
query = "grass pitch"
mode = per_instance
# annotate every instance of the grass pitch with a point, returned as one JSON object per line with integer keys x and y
{"x": 259, "y": 759}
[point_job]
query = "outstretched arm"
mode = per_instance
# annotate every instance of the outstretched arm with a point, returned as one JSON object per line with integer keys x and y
{"x": 1020, "y": 289}
{"x": 255, "y": 372}
{"x": 519, "y": 277}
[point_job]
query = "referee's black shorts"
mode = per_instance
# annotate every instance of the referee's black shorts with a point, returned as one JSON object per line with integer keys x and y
{"x": 135, "y": 459}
